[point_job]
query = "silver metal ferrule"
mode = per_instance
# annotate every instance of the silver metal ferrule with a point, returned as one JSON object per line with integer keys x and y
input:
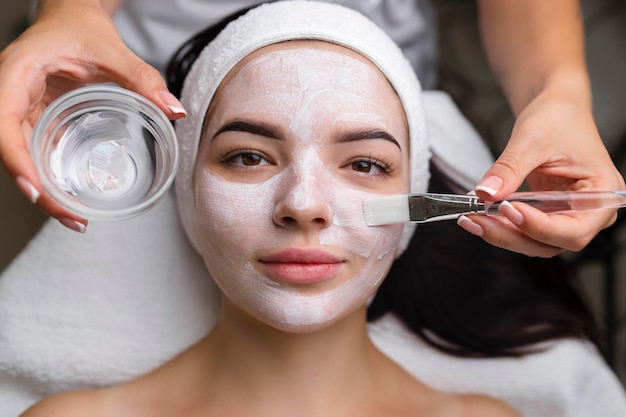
{"x": 446, "y": 206}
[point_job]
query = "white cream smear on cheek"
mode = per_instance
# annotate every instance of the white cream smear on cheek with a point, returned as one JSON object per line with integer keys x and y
{"x": 310, "y": 95}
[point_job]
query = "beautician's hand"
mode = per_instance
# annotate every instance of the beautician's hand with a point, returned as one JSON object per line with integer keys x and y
{"x": 71, "y": 43}
{"x": 554, "y": 146}
{"x": 536, "y": 51}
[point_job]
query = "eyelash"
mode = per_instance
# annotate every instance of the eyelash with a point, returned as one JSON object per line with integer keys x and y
{"x": 386, "y": 168}
{"x": 231, "y": 155}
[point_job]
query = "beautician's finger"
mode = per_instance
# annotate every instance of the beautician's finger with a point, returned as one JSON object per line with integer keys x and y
{"x": 571, "y": 231}
{"x": 508, "y": 172}
{"x": 16, "y": 158}
{"x": 505, "y": 235}
{"x": 17, "y": 161}
{"x": 131, "y": 72}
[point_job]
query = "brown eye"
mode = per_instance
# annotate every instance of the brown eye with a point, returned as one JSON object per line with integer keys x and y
{"x": 245, "y": 159}
{"x": 251, "y": 159}
{"x": 362, "y": 166}
{"x": 369, "y": 167}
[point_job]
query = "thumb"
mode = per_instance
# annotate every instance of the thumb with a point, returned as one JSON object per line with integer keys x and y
{"x": 132, "y": 73}
{"x": 506, "y": 174}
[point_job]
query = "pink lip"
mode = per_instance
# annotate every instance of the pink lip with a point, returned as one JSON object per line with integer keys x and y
{"x": 302, "y": 266}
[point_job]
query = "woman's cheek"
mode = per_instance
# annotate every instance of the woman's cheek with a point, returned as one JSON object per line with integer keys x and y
{"x": 350, "y": 230}
{"x": 233, "y": 218}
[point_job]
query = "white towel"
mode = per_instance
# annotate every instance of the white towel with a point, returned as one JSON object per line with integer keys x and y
{"x": 80, "y": 311}
{"x": 568, "y": 380}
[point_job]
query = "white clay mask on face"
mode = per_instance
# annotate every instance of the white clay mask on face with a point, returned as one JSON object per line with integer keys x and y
{"x": 254, "y": 231}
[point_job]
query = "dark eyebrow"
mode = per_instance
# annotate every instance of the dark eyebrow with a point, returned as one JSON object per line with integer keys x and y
{"x": 368, "y": 134}
{"x": 249, "y": 127}
{"x": 271, "y": 132}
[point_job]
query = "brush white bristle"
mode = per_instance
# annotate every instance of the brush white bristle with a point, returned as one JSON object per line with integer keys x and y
{"x": 387, "y": 210}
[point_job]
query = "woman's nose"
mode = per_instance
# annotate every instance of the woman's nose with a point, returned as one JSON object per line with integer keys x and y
{"x": 304, "y": 204}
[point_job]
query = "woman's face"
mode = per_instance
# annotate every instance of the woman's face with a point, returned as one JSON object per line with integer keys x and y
{"x": 297, "y": 136}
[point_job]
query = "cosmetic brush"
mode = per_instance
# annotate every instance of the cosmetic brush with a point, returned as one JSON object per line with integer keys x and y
{"x": 430, "y": 207}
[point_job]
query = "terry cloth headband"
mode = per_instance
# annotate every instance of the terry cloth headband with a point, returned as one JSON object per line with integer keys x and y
{"x": 295, "y": 20}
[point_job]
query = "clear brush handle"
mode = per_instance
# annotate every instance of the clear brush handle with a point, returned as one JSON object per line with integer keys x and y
{"x": 563, "y": 202}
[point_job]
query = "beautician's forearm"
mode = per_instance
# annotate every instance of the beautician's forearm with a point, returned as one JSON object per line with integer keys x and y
{"x": 110, "y": 6}
{"x": 535, "y": 46}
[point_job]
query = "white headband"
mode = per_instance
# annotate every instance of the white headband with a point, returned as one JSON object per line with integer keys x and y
{"x": 294, "y": 20}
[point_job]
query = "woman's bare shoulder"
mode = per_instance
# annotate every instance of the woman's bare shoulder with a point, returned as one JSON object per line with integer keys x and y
{"x": 70, "y": 404}
{"x": 415, "y": 395}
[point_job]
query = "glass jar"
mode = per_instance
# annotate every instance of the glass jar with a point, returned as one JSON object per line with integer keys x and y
{"x": 104, "y": 152}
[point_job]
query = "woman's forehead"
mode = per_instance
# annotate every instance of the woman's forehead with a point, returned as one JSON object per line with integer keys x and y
{"x": 321, "y": 61}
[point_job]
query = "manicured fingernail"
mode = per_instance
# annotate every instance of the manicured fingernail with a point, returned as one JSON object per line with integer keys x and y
{"x": 172, "y": 103}
{"x": 28, "y": 189}
{"x": 491, "y": 185}
{"x": 511, "y": 213}
{"x": 470, "y": 226}
{"x": 73, "y": 225}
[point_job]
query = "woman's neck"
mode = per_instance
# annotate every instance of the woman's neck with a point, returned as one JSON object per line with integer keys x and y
{"x": 246, "y": 368}
{"x": 281, "y": 373}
